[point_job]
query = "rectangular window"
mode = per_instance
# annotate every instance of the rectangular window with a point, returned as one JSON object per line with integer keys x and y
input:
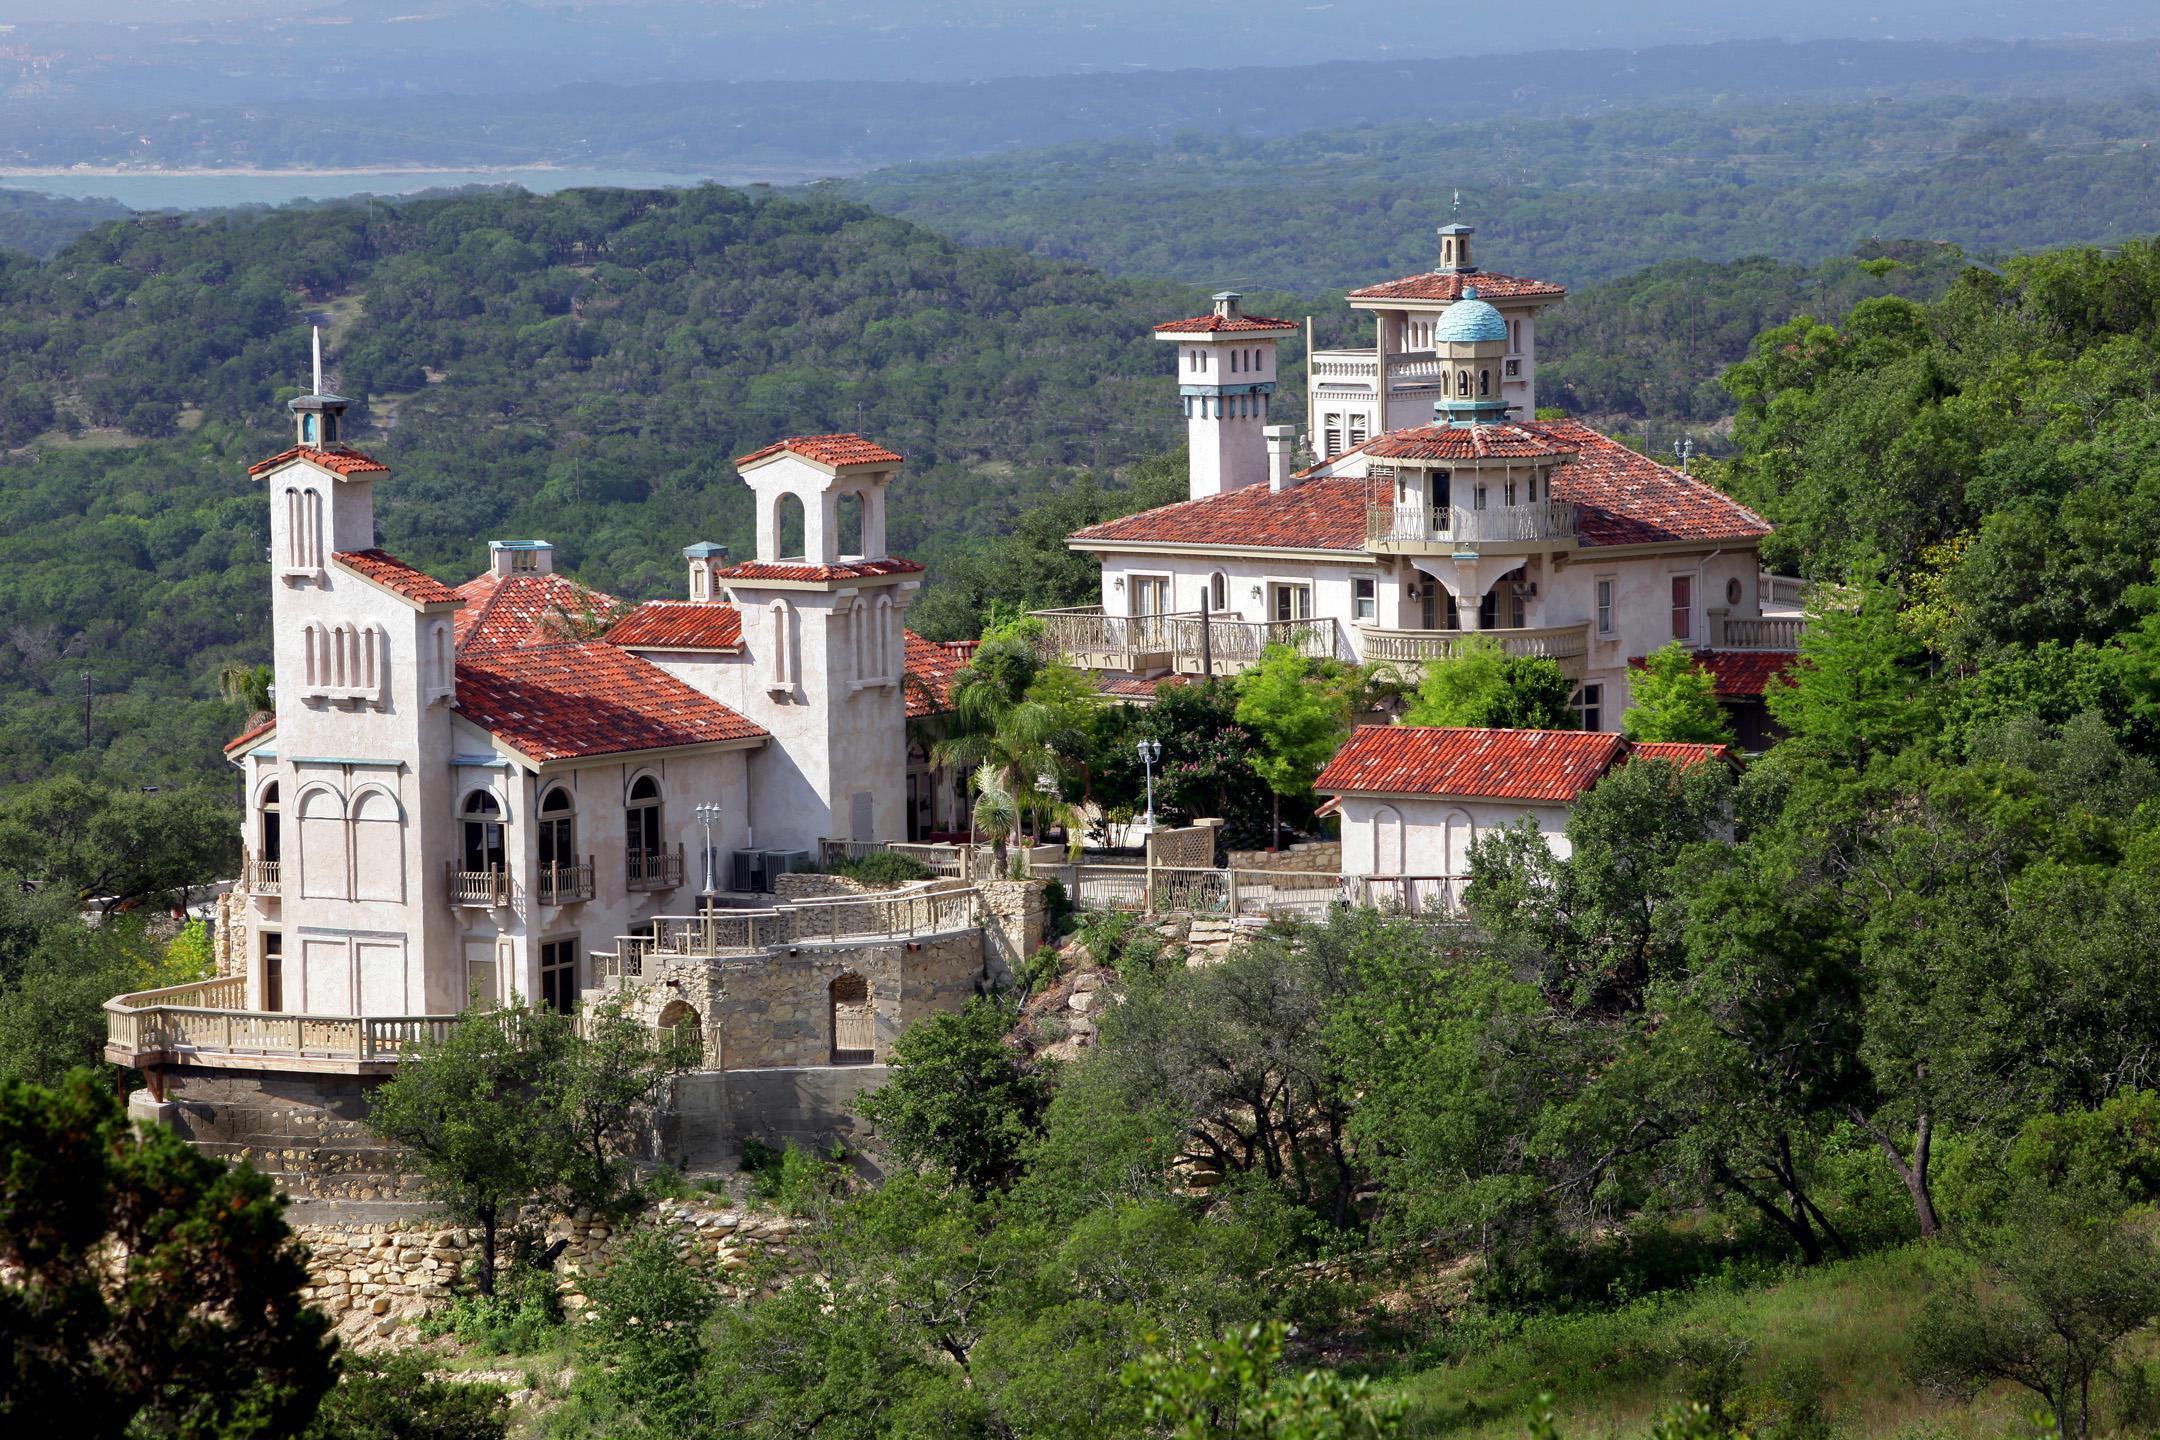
{"x": 1150, "y": 594}
{"x": 1604, "y": 607}
{"x": 1590, "y": 707}
{"x": 1514, "y": 369}
{"x": 1683, "y": 607}
{"x": 273, "y": 996}
{"x": 1291, "y": 603}
{"x": 1363, "y": 597}
{"x": 558, "y": 975}
{"x": 524, "y": 562}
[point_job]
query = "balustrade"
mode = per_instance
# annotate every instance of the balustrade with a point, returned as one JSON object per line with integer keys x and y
{"x": 653, "y": 869}
{"x": 566, "y": 884}
{"x": 1542, "y": 522}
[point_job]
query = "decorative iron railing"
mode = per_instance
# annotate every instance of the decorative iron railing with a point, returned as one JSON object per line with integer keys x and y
{"x": 1228, "y": 646}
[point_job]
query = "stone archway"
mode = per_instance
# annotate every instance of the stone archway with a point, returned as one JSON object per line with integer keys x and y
{"x": 854, "y": 1021}
{"x": 679, "y": 1023}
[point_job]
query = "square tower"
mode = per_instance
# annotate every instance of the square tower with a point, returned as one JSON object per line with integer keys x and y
{"x": 1226, "y": 372}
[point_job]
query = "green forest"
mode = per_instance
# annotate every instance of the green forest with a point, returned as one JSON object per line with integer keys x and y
{"x": 1574, "y": 200}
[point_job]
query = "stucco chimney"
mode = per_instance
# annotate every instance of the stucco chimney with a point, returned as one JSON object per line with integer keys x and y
{"x": 1281, "y": 443}
{"x": 521, "y": 557}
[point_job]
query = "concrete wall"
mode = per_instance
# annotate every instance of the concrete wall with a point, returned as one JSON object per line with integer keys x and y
{"x": 1433, "y": 836}
{"x": 710, "y": 1114}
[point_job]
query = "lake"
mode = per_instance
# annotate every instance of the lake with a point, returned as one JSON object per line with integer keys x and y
{"x": 216, "y": 190}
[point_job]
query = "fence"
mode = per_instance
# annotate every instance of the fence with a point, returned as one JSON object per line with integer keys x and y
{"x": 901, "y": 915}
{"x": 206, "y": 1018}
{"x": 1247, "y": 894}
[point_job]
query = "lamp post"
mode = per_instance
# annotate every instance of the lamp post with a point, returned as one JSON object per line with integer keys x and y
{"x": 708, "y": 813}
{"x": 1150, "y": 757}
{"x": 1683, "y": 450}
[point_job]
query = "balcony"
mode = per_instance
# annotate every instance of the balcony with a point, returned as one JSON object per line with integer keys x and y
{"x": 1497, "y": 529}
{"x": 204, "y": 1024}
{"x": 653, "y": 869}
{"x": 935, "y": 908}
{"x": 1565, "y": 644}
{"x": 479, "y": 889}
{"x": 261, "y": 876}
{"x": 1186, "y": 643}
{"x": 1357, "y": 371}
{"x": 1755, "y": 632}
{"x": 566, "y": 884}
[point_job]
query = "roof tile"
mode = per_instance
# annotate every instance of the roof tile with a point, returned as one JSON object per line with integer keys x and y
{"x": 932, "y": 666}
{"x": 1682, "y": 754}
{"x": 395, "y": 575}
{"x": 1224, "y": 325}
{"x": 1555, "y": 766}
{"x": 859, "y": 570}
{"x": 337, "y": 460}
{"x": 507, "y": 612}
{"x": 678, "y": 625}
{"x": 841, "y": 449}
{"x": 1741, "y": 674}
{"x": 249, "y": 737}
{"x": 1450, "y": 284}
{"x": 573, "y": 699}
{"x": 1621, "y": 498}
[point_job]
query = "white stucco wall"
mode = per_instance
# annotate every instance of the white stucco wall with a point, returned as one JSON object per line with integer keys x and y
{"x": 1431, "y": 835}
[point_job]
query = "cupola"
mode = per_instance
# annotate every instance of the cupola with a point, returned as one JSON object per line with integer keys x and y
{"x": 1455, "y": 250}
{"x": 318, "y": 417}
{"x": 1470, "y": 340}
{"x": 704, "y": 557}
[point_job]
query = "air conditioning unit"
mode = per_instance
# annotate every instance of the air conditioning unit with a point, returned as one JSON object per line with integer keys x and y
{"x": 746, "y": 871}
{"x": 784, "y": 862}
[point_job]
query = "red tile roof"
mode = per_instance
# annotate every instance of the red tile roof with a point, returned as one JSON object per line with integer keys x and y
{"x": 395, "y": 575}
{"x": 1224, "y": 325}
{"x": 1742, "y": 674}
{"x": 930, "y": 669}
{"x": 1120, "y": 686}
{"x": 578, "y": 698}
{"x": 1464, "y": 442}
{"x": 1555, "y": 766}
{"x": 678, "y": 625}
{"x": 1448, "y": 285}
{"x": 1684, "y": 755}
{"x": 860, "y": 570}
{"x": 249, "y": 737}
{"x": 509, "y": 611}
{"x": 1625, "y": 498}
{"x": 340, "y": 461}
{"x": 1317, "y": 515}
{"x": 1621, "y": 498}
{"x": 834, "y": 450}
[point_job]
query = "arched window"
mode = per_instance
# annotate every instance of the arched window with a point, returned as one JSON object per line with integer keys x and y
{"x": 311, "y": 529}
{"x": 887, "y": 646}
{"x": 483, "y": 833}
{"x": 1462, "y": 384}
{"x": 858, "y": 638}
{"x": 643, "y": 817}
{"x": 295, "y": 544}
{"x": 854, "y": 1022}
{"x": 1461, "y": 834}
{"x": 558, "y": 829}
{"x": 1484, "y": 382}
{"x": 1218, "y": 591}
{"x": 790, "y": 529}
{"x": 271, "y": 841}
{"x": 848, "y": 518}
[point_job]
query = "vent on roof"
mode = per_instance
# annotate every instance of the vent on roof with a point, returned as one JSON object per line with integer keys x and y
{"x": 521, "y": 557}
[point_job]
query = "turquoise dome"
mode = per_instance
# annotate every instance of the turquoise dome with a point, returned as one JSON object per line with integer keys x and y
{"x": 1469, "y": 321}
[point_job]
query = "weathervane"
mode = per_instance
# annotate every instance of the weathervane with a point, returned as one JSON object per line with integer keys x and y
{"x": 1455, "y": 210}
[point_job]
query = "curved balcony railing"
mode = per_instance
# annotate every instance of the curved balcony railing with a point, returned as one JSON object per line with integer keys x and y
{"x": 205, "y": 1021}
{"x": 1421, "y": 527}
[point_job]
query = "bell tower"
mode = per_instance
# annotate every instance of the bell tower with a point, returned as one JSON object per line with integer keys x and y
{"x": 1226, "y": 374}
{"x": 824, "y": 611}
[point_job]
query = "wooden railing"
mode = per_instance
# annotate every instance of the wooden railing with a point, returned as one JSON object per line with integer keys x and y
{"x": 1539, "y": 522}
{"x": 1567, "y": 644}
{"x": 263, "y": 876}
{"x": 566, "y": 884}
{"x": 488, "y": 888}
{"x": 653, "y": 869}
{"x": 1756, "y": 632}
{"x": 207, "y": 1019}
{"x": 897, "y": 916}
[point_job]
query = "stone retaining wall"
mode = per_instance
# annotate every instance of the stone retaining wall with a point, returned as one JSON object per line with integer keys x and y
{"x": 376, "y": 1281}
{"x": 1315, "y": 857}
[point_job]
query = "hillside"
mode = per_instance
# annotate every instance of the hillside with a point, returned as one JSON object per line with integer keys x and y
{"x": 39, "y": 225}
{"x": 581, "y": 368}
{"x": 1575, "y": 200}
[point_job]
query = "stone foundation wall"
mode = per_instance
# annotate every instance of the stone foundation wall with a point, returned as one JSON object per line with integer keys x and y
{"x": 792, "y": 887}
{"x": 306, "y": 1131}
{"x": 376, "y": 1280}
{"x": 710, "y": 1114}
{"x": 776, "y": 1009}
{"x": 1015, "y": 923}
{"x": 1317, "y": 857}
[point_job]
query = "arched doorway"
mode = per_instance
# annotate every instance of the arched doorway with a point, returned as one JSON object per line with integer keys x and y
{"x": 680, "y": 1025}
{"x": 854, "y": 1024}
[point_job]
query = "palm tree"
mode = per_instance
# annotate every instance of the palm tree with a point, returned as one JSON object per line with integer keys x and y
{"x": 1017, "y": 727}
{"x": 248, "y": 685}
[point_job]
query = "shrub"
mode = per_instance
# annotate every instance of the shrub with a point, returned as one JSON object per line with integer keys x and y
{"x": 793, "y": 1180}
{"x": 522, "y": 1316}
{"x": 881, "y": 868}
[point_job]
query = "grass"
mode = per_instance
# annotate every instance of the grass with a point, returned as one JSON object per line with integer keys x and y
{"x": 1611, "y": 1373}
